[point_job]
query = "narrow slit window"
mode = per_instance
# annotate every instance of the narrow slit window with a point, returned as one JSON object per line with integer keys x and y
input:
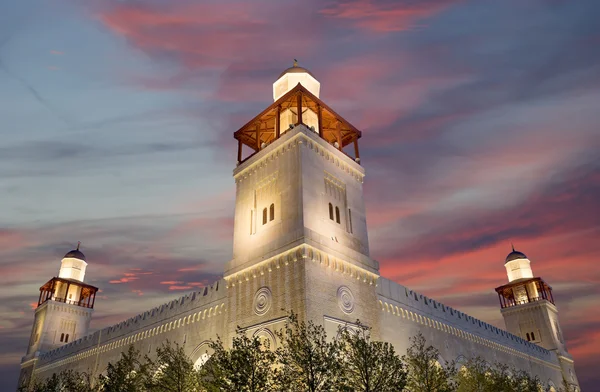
{"x": 62, "y": 337}
{"x": 251, "y": 220}
{"x": 337, "y": 214}
{"x": 272, "y": 212}
{"x": 532, "y": 336}
{"x": 67, "y": 338}
{"x": 264, "y": 216}
{"x": 330, "y": 211}
{"x": 528, "y": 338}
{"x": 350, "y": 220}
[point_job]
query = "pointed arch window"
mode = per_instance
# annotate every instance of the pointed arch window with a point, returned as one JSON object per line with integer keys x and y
{"x": 533, "y": 336}
{"x": 528, "y": 338}
{"x": 67, "y": 338}
{"x": 350, "y": 222}
{"x": 62, "y": 337}
{"x": 264, "y": 216}
{"x": 330, "y": 211}
{"x": 272, "y": 212}
{"x": 337, "y": 214}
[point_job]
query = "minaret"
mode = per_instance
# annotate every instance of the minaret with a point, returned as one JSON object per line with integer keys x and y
{"x": 63, "y": 311}
{"x": 300, "y": 235}
{"x": 529, "y": 310}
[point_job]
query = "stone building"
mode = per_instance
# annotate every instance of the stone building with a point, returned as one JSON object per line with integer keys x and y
{"x": 300, "y": 243}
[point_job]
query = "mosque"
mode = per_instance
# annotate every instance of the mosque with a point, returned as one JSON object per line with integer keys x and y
{"x": 300, "y": 243}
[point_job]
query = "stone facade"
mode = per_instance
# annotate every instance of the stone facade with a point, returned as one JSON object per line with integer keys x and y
{"x": 300, "y": 244}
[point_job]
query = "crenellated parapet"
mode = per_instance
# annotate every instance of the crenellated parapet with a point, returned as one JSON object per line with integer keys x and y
{"x": 194, "y": 307}
{"x": 408, "y": 304}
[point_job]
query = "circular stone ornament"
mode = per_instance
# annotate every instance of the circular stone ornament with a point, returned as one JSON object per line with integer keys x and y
{"x": 345, "y": 299}
{"x": 262, "y": 301}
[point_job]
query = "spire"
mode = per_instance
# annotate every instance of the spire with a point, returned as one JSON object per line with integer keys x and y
{"x": 512, "y": 246}
{"x": 295, "y": 63}
{"x": 79, "y": 243}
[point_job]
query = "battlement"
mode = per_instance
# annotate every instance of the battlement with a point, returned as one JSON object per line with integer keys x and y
{"x": 401, "y": 301}
{"x": 183, "y": 306}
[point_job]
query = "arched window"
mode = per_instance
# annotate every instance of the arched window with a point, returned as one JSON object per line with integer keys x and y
{"x": 532, "y": 336}
{"x": 62, "y": 337}
{"x": 67, "y": 338}
{"x": 272, "y": 212}
{"x": 528, "y": 338}
{"x": 330, "y": 211}
{"x": 264, "y": 216}
{"x": 350, "y": 222}
{"x": 337, "y": 214}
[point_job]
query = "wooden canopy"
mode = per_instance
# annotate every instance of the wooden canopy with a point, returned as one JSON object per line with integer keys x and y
{"x": 506, "y": 293}
{"x": 266, "y": 127}
{"x": 87, "y": 296}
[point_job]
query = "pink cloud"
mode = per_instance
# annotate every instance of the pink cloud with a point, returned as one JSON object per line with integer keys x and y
{"x": 385, "y": 17}
{"x": 171, "y": 282}
{"x": 175, "y": 288}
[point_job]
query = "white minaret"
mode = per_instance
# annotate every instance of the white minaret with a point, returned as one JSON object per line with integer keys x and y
{"x": 529, "y": 310}
{"x": 300, "y": 235}
{"x": 63, "y": 312}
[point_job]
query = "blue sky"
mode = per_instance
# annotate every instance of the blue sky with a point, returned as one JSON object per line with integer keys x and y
{"x": 479, "y": 119}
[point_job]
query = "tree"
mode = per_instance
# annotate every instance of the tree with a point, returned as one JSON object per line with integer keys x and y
{"x": 524, "y": 382}
{"x": 67, "y": 380}
{"x": 501, "y": 379}
{"x": 247, "y": 367}
{"x": 425, "y": 374}
{"x": 172, "y": 371}
{"x": 475, "y": 376}
{"x": 370, "y": 366}
{"x": 128, "y": 374}
{"x": 307, "y": 361}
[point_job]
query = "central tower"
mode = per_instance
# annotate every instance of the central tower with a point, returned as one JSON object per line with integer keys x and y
{"x": 300, "y": 234}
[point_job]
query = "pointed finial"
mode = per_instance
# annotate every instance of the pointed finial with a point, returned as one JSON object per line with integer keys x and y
{"x": 78, "y": 243}
{"x": 295, "y": 63}
{"x": 512, "y": 246}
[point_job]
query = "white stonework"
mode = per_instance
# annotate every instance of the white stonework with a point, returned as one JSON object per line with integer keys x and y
{"x": 300, "y": 244}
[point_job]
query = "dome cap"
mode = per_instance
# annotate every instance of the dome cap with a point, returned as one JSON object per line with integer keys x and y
{"x": 515, "y": 255}
{"x": 76, "y": 253}
{"x": 296, "y": 69}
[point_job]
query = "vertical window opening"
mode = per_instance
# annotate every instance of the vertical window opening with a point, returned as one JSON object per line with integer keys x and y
{"x": 330, "y": 211}
{"x": 528, "y": 338}
{"x": 337, "y": 214}
{"x": 272, "y": 212}
{"x": 67, "y": 338}
{"x": 251, "y": 220}
{"x": 264, "y": 216}
{"x": 350, "y": 220}
{"x": 532, "y": 336}
{"x": 62, "y": 337}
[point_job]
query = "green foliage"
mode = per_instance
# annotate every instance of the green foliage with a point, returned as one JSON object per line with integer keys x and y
{"x": 128, "y": 374}
{"x": 306, "y": 360}
{"x": 425, "y": 374}
{"x": 474, "y": 376}
{"x": 67, "y": 380}
{"x": 173, "y": 371}
{"x": 246, "y": 367}
{"x": 370, "y": 366}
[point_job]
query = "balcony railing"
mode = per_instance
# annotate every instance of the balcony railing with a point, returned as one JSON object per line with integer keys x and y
{"x": 508, "y": 304}
{"x": 68, "y": 301}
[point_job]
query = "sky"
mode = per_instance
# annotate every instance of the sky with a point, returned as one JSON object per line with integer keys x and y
{"x": 480, "y": 124}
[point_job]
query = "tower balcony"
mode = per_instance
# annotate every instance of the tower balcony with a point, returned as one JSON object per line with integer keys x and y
{"x": 68, "y": 291}
{"x": 524, "y": 291}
